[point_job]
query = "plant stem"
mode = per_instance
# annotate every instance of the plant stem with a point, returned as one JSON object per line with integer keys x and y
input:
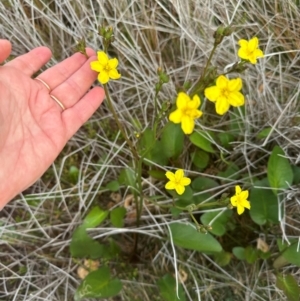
{"x": 198, "y": 83}
{"x": 112, "y": 110}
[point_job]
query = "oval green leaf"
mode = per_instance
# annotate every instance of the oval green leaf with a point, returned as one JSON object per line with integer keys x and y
{"x": 98, "y": 284}
{"x": 117, "y": 217}
{"x": 292, "y": 254}
{"x": 219, "y": 225}
{"x": 289, "y": 285}
{"x": 239, "y": 253}
{"x": 201, "y": 140}
{"x": 83, "y": 246}
{"x": 186, "y": 236}
{"x": 264, "y": 204}
{"x": 94, "y": 218}
{"x": 280, "y": 172}
{"x": 172, "y": 140}
{"x": 200, "y": 158}
{"x": 167, "y": 289}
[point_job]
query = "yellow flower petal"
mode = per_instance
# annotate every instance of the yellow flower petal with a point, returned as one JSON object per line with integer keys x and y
{"x": 258, "y": 53}
{"x": 96, "y": 66}
{"x": 187, "y": 124}
{"x": 182, "y": 100}
{"x": 103, "y": 77}
{"x": 236, "y": 99}
{"x": 244, "y": 194}
{"x": 253, "y": 44}
{"x": 176, "y": 116}
{"x": 212, "y": 93}
{"x": 170, "y": 175}
{"x": 246, "y": 204}
{"x": 238, "y": 189}
{"x": 197, "y": 114}
{"x": 194, "y": 103}
{"x": 235, "y": 84}
{"x": 179, "y": 174}
{"x": 233, "y": 201}
{"x": 243, "y": 43}
{"x": 222, "y": 82}
{"x": 170, "y": 185}
{"x": 113, "y": 63}
{"x": 222, "y": 105}
{"x": 102, "y": 57}
{"x": 185, "y": 181}
{"x": 179, "y": 189}
{"x": 114, "y": 74}
{"x": 240, "y": 209}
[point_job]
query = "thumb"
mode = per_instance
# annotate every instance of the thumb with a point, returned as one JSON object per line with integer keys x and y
{"x": 5, "y": 49}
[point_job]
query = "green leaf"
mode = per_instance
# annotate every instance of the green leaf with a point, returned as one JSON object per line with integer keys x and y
{"x": 98, "y": 284}
{"x": 264, "y": 204}
{"x": 201, "y": 140}
{"x": 296, "y": 172}
{"x": 289, "y": 285}
{"x": 172, "y": 140}
{"x": 292, "y": 254}
{"x": 167, "y": 289}
{"x": 128, "y": 177}
{"x": 264, "y": 255}
{"x": 280, "y": 173}
{"x": 223, "y": 258}
{"x": 203, "y": 183}
{"x": 231, "y": 172}
{"x": 219, "y": 225}
{"x": 251, "y": 254}
{"x": 94, "y": 218}
{"x": 264, "y": 133}
{"x": 117, "y": 217}
{"x": 200, "y": 158}
{"x": 151, "y": 149}
{"x": 73, "y": 174}
{"x": 146, "y": 141}
{"x": 175, "y": 212}
{"x": 239, "y": 253}
{"x": 157, "y": 154}
{"x": 157, "y": 174}
{"x": 83, "y": 246}
{"x": 113, "y": 186}
{"x": 186, "y": 236}
{"x": 280, "y": 262}
{"x": 225, "y": 139}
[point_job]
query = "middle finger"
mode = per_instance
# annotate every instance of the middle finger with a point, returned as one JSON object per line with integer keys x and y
{"x": 72, "y": 89}
{"x": 59, "y": 73}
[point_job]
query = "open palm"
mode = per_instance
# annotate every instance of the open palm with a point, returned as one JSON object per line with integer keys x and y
{"x": 33, "y": 127}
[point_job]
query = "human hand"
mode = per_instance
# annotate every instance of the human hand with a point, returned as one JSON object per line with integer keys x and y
{"x": 33, "y": 127}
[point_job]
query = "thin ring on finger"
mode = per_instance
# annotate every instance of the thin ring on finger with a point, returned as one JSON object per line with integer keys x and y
{"x": 44, "y": 83}
{"x": 58, "y": 102}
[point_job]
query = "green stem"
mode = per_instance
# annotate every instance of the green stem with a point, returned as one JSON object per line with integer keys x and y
{"x": 112, "y": 110}
{"x": 198, "y": 84}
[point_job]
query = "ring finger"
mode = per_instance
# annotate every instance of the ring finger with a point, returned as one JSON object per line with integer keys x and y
{"x": 74, "y": 87}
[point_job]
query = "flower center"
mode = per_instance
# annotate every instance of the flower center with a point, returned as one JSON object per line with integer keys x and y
{"x": 225, "y": 93}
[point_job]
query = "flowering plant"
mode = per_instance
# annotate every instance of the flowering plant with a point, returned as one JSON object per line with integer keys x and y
{"x": 157, "y": 148}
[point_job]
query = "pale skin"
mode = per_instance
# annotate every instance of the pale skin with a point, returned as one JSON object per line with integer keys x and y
{"x": 33, "y": 127}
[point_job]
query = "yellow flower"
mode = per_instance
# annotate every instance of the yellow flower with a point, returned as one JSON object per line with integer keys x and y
{"x": 225, "y": 93}
{"x": 239, "y": 200}
{"x": 177, "y": 181}
{"x": 249, "y": 50}
{"x": 106, "y": 67}
{"x": 186, "y": 112}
